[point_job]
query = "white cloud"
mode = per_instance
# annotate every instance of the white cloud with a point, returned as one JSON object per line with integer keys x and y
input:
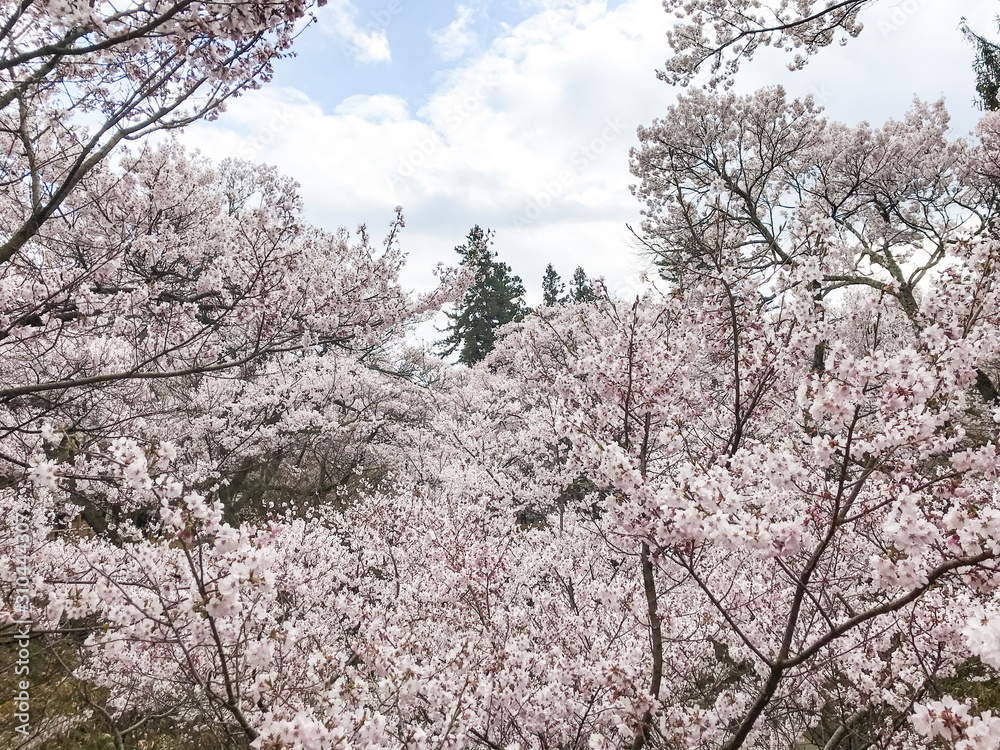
{"x": 456, "y": 39}
{"x": 379, "y": 108}
{"x": 907, "y": 50}
{"x": 362, "y": 44}
{"x": 531, "y": 135}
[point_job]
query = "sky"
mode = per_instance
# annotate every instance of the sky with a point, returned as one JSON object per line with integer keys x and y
{"x": 518, "y": 116}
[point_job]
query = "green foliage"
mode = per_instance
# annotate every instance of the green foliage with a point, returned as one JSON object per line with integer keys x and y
{"x": 974, "y": 680}
{"x": 68, "y": 714}
{"x": 580, "y": 288}
{"x": 552, "y": 287}
{"x": 986, "y": 68}
{"x": 495, "y": 298}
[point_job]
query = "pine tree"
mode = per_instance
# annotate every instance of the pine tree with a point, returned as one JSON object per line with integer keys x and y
{"x": 580, "y": 288}
{"x": 986, "y": 68}
{"x": 495, "y": 298}
{"x": 552, "y": 287}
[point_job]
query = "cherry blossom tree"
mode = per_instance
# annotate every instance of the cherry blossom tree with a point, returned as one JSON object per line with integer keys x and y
{"x": 715, "y": 37}
{"x": 80, "y": 78}
{"x": 159, "y": 301}
{"x": 723, "y": 34}
{"x": 170, "y": 295}
{"x": 858, "y": 246}
{"x": 755, "y": 506}
{"x": 189, "y": 310}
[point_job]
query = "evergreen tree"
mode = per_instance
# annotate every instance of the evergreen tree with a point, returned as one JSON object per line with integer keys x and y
{"x": 580, "y": 288}
{"x": 552, "y": 287}
{"x": 495, "y": 298}
{"x": 986, "y": 67}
